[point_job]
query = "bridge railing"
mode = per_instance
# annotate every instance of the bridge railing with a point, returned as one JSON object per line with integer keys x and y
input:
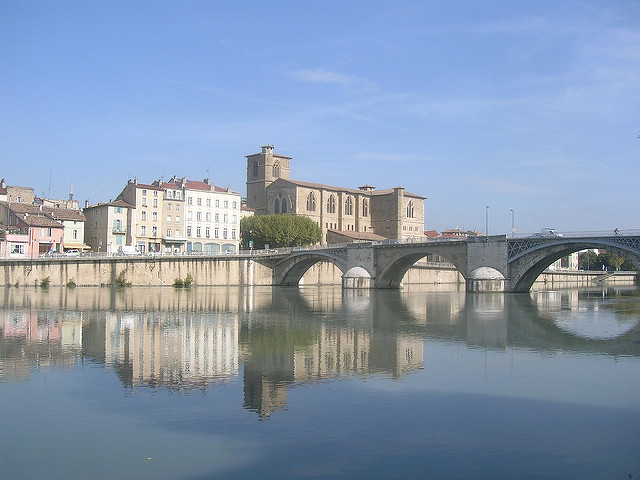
{"x": 628, "y": 232}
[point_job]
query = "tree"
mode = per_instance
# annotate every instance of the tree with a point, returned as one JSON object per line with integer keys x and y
{"x": 589, "y": 261}
{"x": 279, "y": 231}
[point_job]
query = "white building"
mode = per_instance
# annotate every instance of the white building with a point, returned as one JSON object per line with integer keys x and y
{"x": 200, "y": 217}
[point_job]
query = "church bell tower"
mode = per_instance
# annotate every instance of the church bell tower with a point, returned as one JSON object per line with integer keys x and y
{"x": 262, "y": 170}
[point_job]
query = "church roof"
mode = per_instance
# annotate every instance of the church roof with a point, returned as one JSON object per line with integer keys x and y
{"x": 354, "y": 191}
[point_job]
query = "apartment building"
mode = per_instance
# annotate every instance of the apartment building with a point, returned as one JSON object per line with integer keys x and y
{"x": 106, "y": 226}
{"x": 144, "y": 227}
{"x": 200, "y": 216}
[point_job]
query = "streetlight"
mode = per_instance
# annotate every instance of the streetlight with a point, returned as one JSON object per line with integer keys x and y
{"x": 486, "y": 221}
{"x": 513, "y": 228}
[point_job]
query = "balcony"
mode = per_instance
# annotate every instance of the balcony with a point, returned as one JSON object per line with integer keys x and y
{"x": 119, "y": 230}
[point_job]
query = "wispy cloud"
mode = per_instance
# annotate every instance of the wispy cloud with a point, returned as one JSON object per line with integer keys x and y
{"x": 320, "y": 75}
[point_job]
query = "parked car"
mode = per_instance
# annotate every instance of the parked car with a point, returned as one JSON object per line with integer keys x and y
{"x": 547, "y": 233}
{"x": 72, "y": 253}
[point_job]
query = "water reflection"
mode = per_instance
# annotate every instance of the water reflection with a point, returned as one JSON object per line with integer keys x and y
{"x": 275, "y": 339}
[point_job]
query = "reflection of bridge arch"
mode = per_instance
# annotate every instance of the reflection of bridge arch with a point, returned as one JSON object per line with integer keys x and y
{"x": 528, "y": 258}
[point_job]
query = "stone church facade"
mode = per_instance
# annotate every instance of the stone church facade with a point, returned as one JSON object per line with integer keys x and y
{"x": 343, "y": 214}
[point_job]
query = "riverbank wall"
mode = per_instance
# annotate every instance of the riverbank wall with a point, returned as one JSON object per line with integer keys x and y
{"x": 240, "y": 271}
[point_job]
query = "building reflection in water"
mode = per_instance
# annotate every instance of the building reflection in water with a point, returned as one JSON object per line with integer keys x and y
{"x": 275, "y": 338}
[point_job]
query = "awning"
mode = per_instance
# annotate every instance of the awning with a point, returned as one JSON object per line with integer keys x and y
{"x": 76, "y": 246}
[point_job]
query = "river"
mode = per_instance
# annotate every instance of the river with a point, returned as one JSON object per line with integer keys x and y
{"x": 316, "y": 382}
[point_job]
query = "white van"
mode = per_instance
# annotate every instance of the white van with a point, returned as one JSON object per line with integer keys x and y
{"x": 128, "y": 250}
{"x": 547, "y": 233}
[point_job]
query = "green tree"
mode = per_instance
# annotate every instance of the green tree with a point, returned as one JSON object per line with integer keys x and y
{"x": 589, "y": 261}
{"x": 279, "y": 231}
{"x": 611, "y": 261}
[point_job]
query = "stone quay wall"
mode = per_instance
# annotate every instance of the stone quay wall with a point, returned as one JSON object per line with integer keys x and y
{"x": 143, "y": 271}
{"x": 236, "y": 271}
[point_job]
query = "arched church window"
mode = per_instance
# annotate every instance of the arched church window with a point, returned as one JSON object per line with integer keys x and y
{"x": 348, "y": 206}
{"x": 276, "y": 170}
{"x": 365, "y": 207}
{"x": 331, "y": 204}
{"x": 410, "y": 213}
{"x": 276, "y": 206}
{"x": 311, "y": 202}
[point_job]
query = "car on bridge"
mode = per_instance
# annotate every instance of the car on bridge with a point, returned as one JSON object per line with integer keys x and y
{"x": 547, "y": 233}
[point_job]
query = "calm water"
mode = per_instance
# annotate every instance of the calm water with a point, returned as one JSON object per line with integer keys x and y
{"x": 317, "y": 383}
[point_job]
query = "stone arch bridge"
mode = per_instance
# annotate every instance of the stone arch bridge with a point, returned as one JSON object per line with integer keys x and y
{"x": 494, "y": 263}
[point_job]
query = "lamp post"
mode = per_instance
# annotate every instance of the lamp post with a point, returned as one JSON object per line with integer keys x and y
{"x": 486, "y": 221}
{"x": 513, "y": 228}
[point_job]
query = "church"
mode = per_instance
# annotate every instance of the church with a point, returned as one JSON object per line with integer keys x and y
{"x": 343, "y": 214}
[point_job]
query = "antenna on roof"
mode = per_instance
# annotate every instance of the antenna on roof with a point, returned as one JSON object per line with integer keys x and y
{"x": 50, "y": 172}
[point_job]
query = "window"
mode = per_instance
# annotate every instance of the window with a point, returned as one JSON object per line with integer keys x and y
{"x": 276, "y": 206}
{"x": 233, "y": 233}
{"x": 216, "y": 232}
{"x": 177, "y": 232}
{"x": 217, "y": 217}
{"x": 143, "y": 230}
{"x": 154, "y": 231}
{"x": 235, "y": 204}
{"x": 410, "y": 209}
{"x": 143, "y": 215}
{"x": 189, "y": 215}
{"x": 208, "y": 217}
{"x": 189, "y": 200}
{"x": 189, "y": 231}
{"x": 177, "y": 218}
{"x": 119, "y": 239}
{"x": 234, "y": 219}
{"x": 365, "y": 207}
{"x": 168, "y": 218}
{"x": 177, "y": 207}
{"x": 199, "y": 201}
{"x": 75, "y": 234}
{"x": 311, "y": 202}
{"x": 225, "y": 219}
{"x": 144, "y": 192}
{"x": 224, "y": 233}
{"x": 207, "y": 232}
{"x": 331, "y": 204}
{"x": 154, "y": 216}
{"x": 144, "y": 201}
{"x": 348, "y": 206}
{"x": 168, "y": 206}
{"x": 198, "y": 216}
{"x": 198, "y": 232}
{"x": 276, "y": 170}
{"x": 155, "y": 202}
{"x": 17, "y": 248}
{"x": 217, "y": 202}
{"x": 117, "y": 209}
{"x": 168, "y": 232}
{"x": 226, "y": 204}
{"x": 208, "y": 202}
{"x": 155, "y": 193}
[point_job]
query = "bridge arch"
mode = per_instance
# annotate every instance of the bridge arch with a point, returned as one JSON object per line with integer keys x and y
{"x": 528, "y": 258}
{"x": 393, "y": 263}
{"x": 290, "y": 270}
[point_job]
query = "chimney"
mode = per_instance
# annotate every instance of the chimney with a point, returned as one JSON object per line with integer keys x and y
{"x": 2, "y": 184}
{"x": 267, "y": 149}
{"x": 86, "y": 203}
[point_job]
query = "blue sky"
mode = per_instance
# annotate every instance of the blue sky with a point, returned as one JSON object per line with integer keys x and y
{"x": 530, "y": 106}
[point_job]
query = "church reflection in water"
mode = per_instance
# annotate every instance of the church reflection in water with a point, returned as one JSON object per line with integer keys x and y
{"x": 275, "y": 339}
